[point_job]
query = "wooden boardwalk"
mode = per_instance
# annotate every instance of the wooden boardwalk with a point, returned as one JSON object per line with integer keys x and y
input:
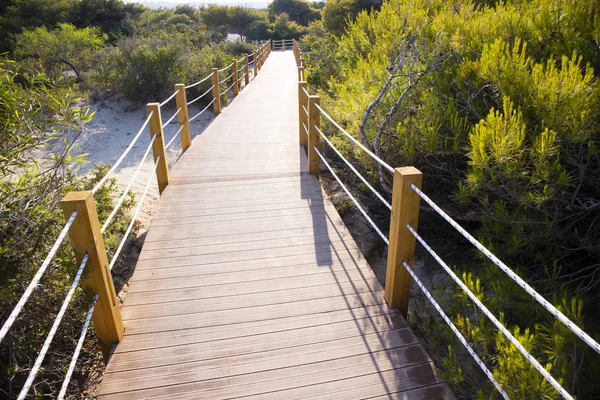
{"x": 250, "y": 286}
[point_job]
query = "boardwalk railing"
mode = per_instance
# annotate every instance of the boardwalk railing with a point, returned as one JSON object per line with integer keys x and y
{"x": 403, "y": 235}
{"x": 83, "y": 225}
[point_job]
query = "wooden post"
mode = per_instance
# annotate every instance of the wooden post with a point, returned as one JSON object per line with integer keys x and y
{"x": 302, "y": 117}
{"x": 216, "y": 92}
{"x": 405, "y": 211}
{"x": 300, "y": 73}
{"x": 256, "y": 62}
{"x": 301, "y": 61}
{"x": 158, "y": 147}
{"x": 183, "y": 116}
{"x": 236, "y": 87}
{"x": 86, "y": 238}
{"x": 246, "y": 70}
{"x": 314, "y": 122}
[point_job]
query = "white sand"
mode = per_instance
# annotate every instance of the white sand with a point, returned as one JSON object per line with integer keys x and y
{"x": 104, "y": 139}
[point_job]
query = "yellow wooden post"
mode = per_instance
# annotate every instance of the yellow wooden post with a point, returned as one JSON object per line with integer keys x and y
{"x": 246, "y": 70}
{"x": 256, "y": 62}
{"x": 216, "y": 92}
{"x": 283, "y": 44}
{"x": 183, "y": 117}
{"x": 405, "y": 211}
{"x": 236, "y": 87}
{"x": 300, "y": 73}
{"x": 86, "y": 238}
{"x": 158, "y": 147}
{"x": 314, "y": 122}
{"x": 302, "y": 117}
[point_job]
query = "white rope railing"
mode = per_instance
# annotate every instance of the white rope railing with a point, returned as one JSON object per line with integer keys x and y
{"x": 375, "y": 192}
{"x": 204, "y": 109}
{"x": 226, "y": 79}
{"x": 307, "y": 94}
{"x": 201, "y": 96}
{"x": 369, "y": 152}
{"x": 135, "y": 214}
{"x": 172, "y": 118}
{"x": 305, "y": 128}
{"x": 72, "y": 365}
{"x": 545, "y": 303}
{"x": 36, "y": 279}
{"x": 127, "y": 150}
{"x": 169, "y": 99}
{"x": 174, "y": 137}
{"x": 454, "y": 329}
{"x": 199, "y": 82}
{"x": 126, "y": 191}
{"x": 305, "y": 110}
{"x": 356, "y": 203}
{"x": 228, "y": 89}
{"x": 226, "y": 68}
{"x": 55, "y": 325}
{"x": 241, "y": 68}
{"x": 491, "y": 316}
{"x": 240, "y": 79}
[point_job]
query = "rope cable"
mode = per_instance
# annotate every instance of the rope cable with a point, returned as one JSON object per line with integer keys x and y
{"x": 305, "y": 110}
{"x": 86, "y": 325}
{"x": 199, "y": 82}
{"x": 305, "y": 128}
{"x": 545, "y": 303}
{"x": 172, "y": 117}
{"x": 375, "y": 192}
{"x": 460, "y": 337}
{"x": 133, "y": 218}
{"x": 491, "y": 316}
{"x": 126, "y": 191}
{"x": 169, "y": 99}
{"x": 369, "y": 152}
{"x": 227, "y": 67}
{"x": 55, "y": 325}
{"x": 224, "y": 80}
{"x": 116, "y": 164}
{"x": 36, "y": 279}
{"x": 356, "y": 203}
{"x": 201, "y": 96}
{"x": 204, "y": 109}
{"x": 307, "y": 94}
{"x": 174, "y": 136}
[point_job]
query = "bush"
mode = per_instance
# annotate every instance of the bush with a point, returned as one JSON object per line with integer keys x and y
{"x": 30, "y": 220}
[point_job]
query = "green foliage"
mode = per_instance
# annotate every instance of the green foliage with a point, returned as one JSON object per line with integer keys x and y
{"x": 299, "y": 11}
{"x": 337, "y": 13}
{"x": 504, "y": 124}
{"x": 64, "y": 46}
{"x": 35, "y": 111}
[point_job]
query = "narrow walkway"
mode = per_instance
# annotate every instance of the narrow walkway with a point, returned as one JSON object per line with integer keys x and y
{"x": 250, "y": 286}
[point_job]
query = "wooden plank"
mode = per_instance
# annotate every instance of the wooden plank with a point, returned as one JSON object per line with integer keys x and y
{"x": 361, "y": 315}
{"x": 218, "y": 384}
{"x": 212, "y": 357}
{"x": 365, "y": 319}
{"x": 249, "y": 284}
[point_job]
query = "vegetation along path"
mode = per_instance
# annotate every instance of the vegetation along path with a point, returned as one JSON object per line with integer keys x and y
{"x": 249, "y": 284}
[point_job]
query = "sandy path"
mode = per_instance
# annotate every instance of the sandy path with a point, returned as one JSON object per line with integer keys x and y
{"x": 104, "y": 139}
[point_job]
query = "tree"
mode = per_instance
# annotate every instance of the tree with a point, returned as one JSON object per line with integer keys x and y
{"x": 240, "y": 19}
{"x": 110, "y": 16}
{"x": 285, "y": 29}
{"x": 337, "y": 13}
{"x": 216, "y": 19}
{"x": 297, "y": 10}
{"x": 27, "y": 14}
{"x": 64, "y": 45}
